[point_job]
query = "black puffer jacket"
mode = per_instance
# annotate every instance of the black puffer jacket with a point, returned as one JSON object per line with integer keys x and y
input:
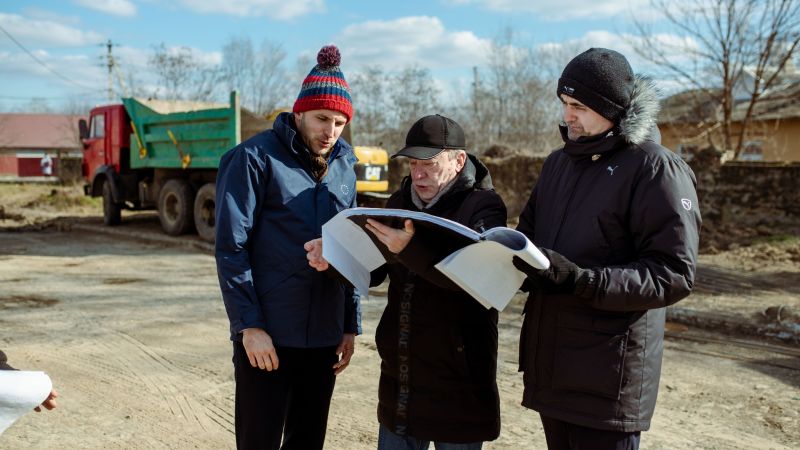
{"x": 626, "y": 207}
{"x": 438, "y": 345}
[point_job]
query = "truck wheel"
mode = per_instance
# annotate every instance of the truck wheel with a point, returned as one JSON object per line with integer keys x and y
{"x": 204, "y": 218}
{"x": 175, "y": 207}
{"x": 111, "y": 211}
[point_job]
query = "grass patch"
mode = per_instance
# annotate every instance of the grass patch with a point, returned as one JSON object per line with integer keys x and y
{"x": 61, "y": 200}
{"x": 778, "y": 239}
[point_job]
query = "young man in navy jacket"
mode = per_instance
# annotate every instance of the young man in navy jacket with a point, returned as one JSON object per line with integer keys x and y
{"x": 293, "y": 328}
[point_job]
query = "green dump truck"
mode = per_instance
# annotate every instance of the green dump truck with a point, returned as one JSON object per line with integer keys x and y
{"x": 164, "y": 154}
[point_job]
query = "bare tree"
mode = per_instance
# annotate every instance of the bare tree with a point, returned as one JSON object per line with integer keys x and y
{"x": 513, "y": 100}
{"x": 131, "y": 84}
{"x": 412, "y": 94}
{"x": 368, "y": 88}
{"x": 301, "y": 68}
{"x": 36, "y": 105}
{"x": 728, "y": 44}
{"x": 181, "y": 75}
{"x": 258, "y": 75}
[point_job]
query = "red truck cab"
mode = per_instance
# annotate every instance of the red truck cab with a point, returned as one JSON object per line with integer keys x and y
{"x": 107, "y": 135}
{"x": 106, "y": 153}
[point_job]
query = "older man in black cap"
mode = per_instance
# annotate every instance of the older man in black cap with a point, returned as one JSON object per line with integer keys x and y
{"x": 617, "y": 215}
{"x": 438, "y": 345}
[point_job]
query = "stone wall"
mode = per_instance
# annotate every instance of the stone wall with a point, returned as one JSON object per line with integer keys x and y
{"x": 739, "y": 201}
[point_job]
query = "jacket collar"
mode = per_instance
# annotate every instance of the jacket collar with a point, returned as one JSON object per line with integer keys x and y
{"x": 590, "y": 146}
{"x": 473, "y": 175}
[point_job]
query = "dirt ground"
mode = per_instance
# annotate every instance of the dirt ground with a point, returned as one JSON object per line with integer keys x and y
{"x": 134, "y": 335}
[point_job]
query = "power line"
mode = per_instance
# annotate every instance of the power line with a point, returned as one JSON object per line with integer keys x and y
{"x": 41, "y": 62}
{"x": 50, "y": 97}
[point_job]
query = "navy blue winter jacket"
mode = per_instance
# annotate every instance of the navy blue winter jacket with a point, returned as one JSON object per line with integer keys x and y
{"x": 268, "y": 205}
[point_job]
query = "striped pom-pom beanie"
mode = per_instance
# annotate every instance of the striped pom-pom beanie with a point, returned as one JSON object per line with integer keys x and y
{"x": 325, "y": 86}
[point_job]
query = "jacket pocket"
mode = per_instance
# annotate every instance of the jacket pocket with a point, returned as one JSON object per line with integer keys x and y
{"x": 271, "y": 276}
{"x": 615, "y": 240}
{"x": 589, "y": 360}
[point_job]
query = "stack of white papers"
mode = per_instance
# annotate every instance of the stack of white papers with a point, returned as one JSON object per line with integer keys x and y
{"x": 20, "y": 392}
{"x": 480, "y": 263}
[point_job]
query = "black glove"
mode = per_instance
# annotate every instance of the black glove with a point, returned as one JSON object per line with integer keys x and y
{"x": 563, "y": 276}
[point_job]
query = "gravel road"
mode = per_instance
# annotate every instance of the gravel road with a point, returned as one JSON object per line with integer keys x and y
{"x": 135, "y": 337}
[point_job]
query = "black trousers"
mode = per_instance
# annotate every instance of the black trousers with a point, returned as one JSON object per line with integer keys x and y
{"x": 292, "y": 401}
{"x": 567, "y": 436}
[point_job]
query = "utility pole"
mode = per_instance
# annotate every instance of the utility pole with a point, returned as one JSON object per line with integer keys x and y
{"x": 110, "y": 64}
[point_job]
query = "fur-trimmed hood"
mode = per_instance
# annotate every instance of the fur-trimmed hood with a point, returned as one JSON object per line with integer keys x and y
{"x": 638, "y": 122}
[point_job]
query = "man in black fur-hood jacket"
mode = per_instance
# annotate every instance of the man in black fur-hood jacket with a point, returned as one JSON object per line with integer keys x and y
{"x": 617, "y": 215}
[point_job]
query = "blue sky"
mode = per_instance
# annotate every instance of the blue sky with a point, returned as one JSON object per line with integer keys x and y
{"x": 447, "y": 36}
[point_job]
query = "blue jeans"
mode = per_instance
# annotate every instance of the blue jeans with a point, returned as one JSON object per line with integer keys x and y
{"x": 390, "y": 441}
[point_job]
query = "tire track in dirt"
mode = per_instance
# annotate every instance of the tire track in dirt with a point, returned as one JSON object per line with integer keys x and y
{"x": 144, "y": 368}
{"x": 172, "y": 384}
{"x": 129, "y": 361}
{"x": 718, "y": 280}
{"x": 167, "y": 385}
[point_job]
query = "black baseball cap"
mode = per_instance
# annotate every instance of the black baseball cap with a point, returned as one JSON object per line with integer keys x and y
{"x": 430, "y": 135}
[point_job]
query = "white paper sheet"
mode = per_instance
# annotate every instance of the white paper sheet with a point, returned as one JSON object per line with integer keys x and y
{"x": 20, "y": 392}
{"x": 342, "y": 240}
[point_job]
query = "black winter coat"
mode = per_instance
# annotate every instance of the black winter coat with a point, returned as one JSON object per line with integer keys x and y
{"x": 625, "y": 207}
{"x": 438, "y": 345}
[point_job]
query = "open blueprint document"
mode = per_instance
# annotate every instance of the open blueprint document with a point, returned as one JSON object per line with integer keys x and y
{"x": 480, "y": 263}
{"x": 20, "y": 392}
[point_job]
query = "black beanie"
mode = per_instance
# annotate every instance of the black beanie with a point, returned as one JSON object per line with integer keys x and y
{"x": 601, "y": 79}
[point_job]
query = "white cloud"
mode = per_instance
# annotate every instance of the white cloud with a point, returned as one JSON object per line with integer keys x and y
{"x": 675, "y": 48}
{"x": 34, "y": 12}
{"x": 276, "y": 9}
{"x": 44, "y": 33}
{"x": 81, "y": 69}
{"x": 625, "y": 43}
{"x": 204, "y": 58}
{"x": 133, "y": 58}
{"x": 84, "y": 70}
{"x": 114, "y": 7}
{"x": 421, "y": 41}
{"x": 559, "y": 10}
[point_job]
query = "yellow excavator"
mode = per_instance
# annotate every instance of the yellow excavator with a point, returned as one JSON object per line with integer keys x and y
{"x": 372, "y": 172}
{"x": 372, "y": 175}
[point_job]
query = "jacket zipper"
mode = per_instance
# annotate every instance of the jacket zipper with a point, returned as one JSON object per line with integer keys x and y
{"x": 566, "y": 207}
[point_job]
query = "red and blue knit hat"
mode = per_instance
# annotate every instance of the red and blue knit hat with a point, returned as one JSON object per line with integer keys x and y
{"x": 325, "y": 86}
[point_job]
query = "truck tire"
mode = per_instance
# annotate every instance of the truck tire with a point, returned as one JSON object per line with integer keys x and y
{"x": 175, "y": 207}
{"x": 111, "y": 211}
{"x": 204, "y": 215}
